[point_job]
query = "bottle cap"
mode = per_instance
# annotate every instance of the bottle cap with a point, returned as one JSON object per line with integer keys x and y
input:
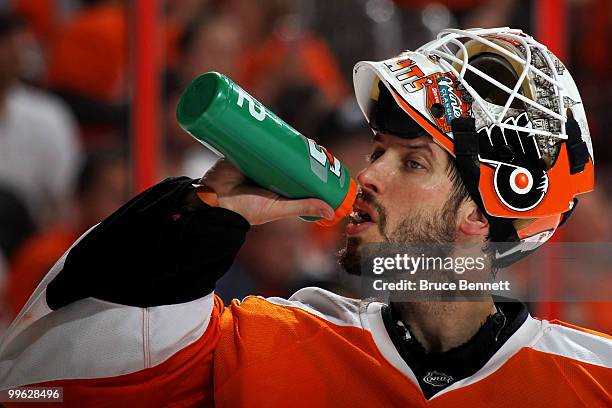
{"x": 345, "y": 208}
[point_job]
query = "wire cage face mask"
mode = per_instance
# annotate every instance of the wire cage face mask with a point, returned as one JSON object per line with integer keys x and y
{"x": 521, "y": 97}
{"x": 544, "y": 85}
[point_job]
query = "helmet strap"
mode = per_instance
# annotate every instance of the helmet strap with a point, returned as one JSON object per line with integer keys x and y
{"x": 577, "y": 150}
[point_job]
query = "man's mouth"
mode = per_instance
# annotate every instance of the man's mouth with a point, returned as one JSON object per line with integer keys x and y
{"x": 362, "y": 218}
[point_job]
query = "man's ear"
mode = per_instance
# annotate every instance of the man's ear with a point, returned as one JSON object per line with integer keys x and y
{"x": 472, "y": 221}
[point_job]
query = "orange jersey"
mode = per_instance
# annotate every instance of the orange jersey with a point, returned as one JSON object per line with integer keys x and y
{"x": 315, "y": 349}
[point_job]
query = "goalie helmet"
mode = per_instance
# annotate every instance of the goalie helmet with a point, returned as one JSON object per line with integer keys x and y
{"x": 510, "y": 114}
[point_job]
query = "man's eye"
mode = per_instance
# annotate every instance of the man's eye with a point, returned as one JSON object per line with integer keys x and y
{"x": 412, "y": 164}
{"x": 375, "y": 155}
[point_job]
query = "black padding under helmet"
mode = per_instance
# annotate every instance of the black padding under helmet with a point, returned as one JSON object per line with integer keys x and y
{"x": 386, "y": 116}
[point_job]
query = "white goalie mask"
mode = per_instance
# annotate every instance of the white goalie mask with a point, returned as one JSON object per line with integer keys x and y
{"x": 533, "y": 153}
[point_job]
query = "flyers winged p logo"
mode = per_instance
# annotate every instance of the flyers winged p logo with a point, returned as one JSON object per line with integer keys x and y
{"x": 520, "y": 180}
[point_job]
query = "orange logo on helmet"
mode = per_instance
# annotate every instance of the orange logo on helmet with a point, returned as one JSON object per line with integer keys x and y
{"x": 520, "y": 180}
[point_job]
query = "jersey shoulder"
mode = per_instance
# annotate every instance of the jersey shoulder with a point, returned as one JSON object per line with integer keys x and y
{"x": 308, "y": 312}
{"x": 582, "y": 346}
{"x": 310, "y": 304}
{"x": 280, "y": 335}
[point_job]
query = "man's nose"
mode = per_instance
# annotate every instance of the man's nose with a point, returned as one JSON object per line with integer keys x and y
{"x": 370, "y": 179}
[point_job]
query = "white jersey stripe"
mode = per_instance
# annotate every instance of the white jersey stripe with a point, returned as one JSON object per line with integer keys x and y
{"x": 100, "y": 339}
{"x": 333, "y": 308}
{"x": 575, "y": 344}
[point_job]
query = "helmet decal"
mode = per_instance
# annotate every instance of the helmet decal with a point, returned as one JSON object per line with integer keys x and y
{"x": 407, "y": 73}
{"x": 519, "y": 179}
{"x": 446, "y": 99}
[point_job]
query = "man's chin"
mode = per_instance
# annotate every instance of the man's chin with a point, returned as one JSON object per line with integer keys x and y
{"x": 349, "y": 257}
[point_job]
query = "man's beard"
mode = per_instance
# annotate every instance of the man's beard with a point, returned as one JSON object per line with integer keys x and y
{"x": 438, "y": 228}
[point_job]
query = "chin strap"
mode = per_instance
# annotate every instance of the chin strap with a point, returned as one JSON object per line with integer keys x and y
{"x": 466, "y": 156}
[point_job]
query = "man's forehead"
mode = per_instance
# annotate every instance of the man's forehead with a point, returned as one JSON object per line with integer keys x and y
{"x": 421, "y": 141}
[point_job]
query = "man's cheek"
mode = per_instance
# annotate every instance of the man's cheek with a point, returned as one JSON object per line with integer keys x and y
{"x": 382, "y": 219}
{"x": 390, "y": 221}
{"x": 382, "y": 226}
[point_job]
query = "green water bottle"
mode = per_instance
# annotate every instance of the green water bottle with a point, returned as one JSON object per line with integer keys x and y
{"x": 231, "y": 123}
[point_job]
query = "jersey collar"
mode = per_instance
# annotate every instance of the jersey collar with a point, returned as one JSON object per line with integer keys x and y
{"x": 484, "y": 356}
